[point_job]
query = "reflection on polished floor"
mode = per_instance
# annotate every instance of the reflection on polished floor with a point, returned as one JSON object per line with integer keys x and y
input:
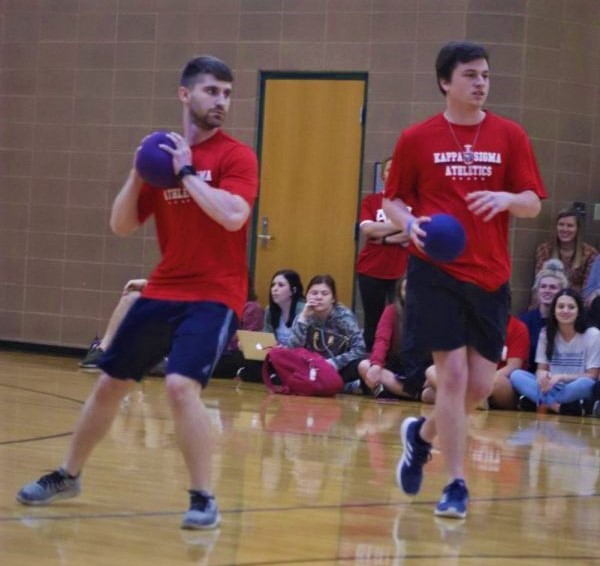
{"x": 299, "y": 481}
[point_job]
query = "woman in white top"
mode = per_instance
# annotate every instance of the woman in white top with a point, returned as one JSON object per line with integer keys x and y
{"x": 567, "y": 357}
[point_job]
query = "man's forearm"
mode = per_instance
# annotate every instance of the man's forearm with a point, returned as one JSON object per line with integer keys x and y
{"x": 525, "y": 205}
{"x": 229, "y": 210}
{"x": 397, "y": 212}
{"x": 124, "y": 215}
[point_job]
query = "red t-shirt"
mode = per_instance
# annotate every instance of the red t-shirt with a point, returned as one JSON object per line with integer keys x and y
{"x": 383, "y": 261}
{"x": 428, "y": 174}
{"x": 201, "y": 260}
{"x": 517, "y": 342}
{"x": 385, "y": 335}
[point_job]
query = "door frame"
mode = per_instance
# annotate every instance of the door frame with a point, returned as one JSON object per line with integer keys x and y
{"x": 263, "y": 77}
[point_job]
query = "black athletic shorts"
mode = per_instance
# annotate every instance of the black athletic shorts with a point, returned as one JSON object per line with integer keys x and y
{"x": 443, "y": 313}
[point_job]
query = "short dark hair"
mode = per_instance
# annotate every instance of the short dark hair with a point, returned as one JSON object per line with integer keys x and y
{"x": 205, "y": 65}
{"x": 454, "y": 53}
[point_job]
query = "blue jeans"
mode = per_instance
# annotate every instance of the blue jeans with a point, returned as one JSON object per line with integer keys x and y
{"x": 525, "y": 383}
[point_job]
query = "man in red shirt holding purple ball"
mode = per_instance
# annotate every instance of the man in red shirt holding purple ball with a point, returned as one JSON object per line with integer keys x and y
{"x": 190, "y": 307}
{"x": 480, "y": 168}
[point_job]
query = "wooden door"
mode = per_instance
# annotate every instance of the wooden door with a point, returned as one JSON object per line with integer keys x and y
{"x": 310, "y": 151}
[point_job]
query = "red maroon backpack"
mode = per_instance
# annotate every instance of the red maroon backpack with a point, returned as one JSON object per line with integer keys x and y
{"x": 298, "y": 371}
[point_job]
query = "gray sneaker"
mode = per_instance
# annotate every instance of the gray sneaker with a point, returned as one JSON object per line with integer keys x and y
{"x": 353, "y": 387}
{"x": 55, "y": 485}
{"x": 203, "y": 512}
{"x": 92, "y": 358}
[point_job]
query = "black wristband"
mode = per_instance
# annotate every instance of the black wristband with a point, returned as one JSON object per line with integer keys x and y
{"x": 185, "y": 171}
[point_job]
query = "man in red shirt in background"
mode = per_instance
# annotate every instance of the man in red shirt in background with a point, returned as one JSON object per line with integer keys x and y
{"x": 381, "y": 262}
{"x": 191, "y": 305}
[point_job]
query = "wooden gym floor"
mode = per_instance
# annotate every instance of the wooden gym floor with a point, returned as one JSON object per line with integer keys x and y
{"x": 299, "y": 481}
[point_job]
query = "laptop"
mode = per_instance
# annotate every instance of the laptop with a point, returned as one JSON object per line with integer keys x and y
{"x": 255, "y": 345}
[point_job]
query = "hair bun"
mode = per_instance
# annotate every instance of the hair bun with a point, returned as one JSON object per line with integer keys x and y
{"x": 551, "y": 268}
{"x": 553, "y": 265}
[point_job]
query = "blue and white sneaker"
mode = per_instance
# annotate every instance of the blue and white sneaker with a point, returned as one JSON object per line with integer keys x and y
{"x": 203, "y": 512}
{"x": 55, "y": 485}
{"x": 454, "y": 501}
{"x": 417, "y": 452}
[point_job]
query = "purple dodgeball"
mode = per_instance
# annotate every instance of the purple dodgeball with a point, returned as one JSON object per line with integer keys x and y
{"x": 154, "y": 164}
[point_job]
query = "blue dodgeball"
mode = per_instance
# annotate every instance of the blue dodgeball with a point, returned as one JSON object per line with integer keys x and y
{"x": 154, "y": 164}
{"x": 445, "y": 239}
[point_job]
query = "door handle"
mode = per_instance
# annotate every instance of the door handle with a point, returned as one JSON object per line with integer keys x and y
{"x": 264, "y": 237}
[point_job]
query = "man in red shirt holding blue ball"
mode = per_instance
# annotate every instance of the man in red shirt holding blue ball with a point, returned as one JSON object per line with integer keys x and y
{"x": 480, "y": 168}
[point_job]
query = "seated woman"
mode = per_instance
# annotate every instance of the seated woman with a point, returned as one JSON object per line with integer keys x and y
{"x": 548, "y": 282}
{"x": 286, "y": 301}
{"x": 383, "y": 372}
{"x": 130, "y": 294}
{"x": 568, "y": 359}
{"x": 232, "y": 358}
{"x": 514, "y": 356}
{"x": 329, "y": 328}
{"x": 567, "y": 245}
{"x": 591, "y": 294}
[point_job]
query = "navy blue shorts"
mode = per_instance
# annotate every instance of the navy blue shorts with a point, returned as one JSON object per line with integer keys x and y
{"x": 445, "y": 314}
{"x": 192, "y": 334}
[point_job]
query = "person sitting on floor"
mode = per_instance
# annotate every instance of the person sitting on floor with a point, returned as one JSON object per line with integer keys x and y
{"x": 329, "y": 328}
{"x": 568, "y": 359}
{"x": 383, "y": 372}
{"x": 232, "y": 358}
{"x": 131, "y": 293}
{"x": 568, "y": 246}
{"x": 548, "y": 282}
{"x": 591, "y": 294}
{"x": 286, "y": 301}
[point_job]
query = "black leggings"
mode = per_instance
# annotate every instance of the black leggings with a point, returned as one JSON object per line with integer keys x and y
{"x": 232, "y": 361}
{"x": 374, "y": 294}
{"x": 594, "y": 313}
